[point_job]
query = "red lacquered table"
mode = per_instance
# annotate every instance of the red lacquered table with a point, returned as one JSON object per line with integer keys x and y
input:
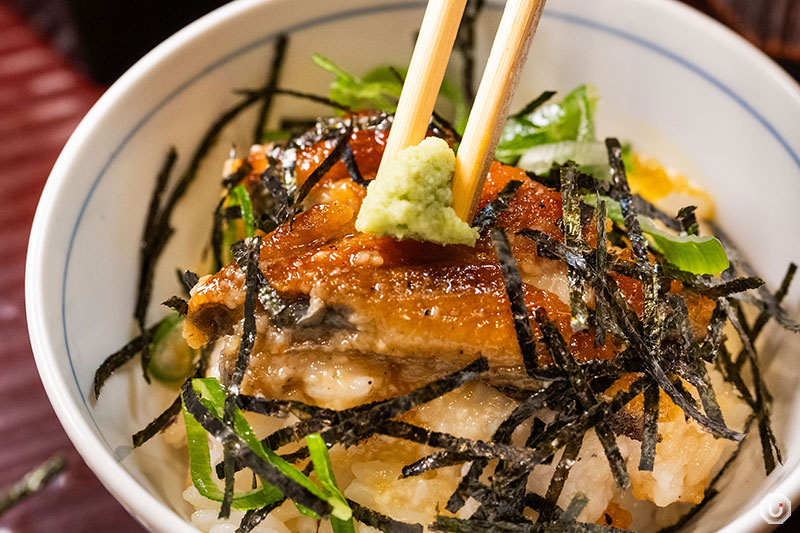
{"x": 42, "y": 98}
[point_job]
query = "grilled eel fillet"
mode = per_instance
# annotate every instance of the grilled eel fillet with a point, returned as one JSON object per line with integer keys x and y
{"x": 406, "y": 299}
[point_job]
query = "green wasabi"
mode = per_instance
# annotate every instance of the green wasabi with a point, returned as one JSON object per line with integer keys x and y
{"x": 412, "y": 199}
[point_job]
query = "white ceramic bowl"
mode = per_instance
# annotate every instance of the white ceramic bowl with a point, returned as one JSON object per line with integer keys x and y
{"x": 677, "y": 83}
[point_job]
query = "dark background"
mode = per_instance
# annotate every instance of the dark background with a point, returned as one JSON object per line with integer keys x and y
{"x": 56, "y": 58}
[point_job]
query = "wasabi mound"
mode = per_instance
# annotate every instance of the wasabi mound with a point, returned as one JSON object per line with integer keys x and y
{"x": 411, "y": 198}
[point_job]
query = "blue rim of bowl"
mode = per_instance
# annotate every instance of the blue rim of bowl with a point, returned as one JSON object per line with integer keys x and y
{"x": 384, "y": 8}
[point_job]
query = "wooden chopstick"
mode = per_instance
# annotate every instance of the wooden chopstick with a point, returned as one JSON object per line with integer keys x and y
{"x": 488, "y": 114}
{"x": 425, "y": 74}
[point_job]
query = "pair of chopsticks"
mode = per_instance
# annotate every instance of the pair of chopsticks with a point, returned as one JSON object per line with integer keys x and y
{"x": 492, "y": 100}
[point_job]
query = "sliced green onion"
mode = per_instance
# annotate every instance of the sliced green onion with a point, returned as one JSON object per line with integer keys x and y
{"x": 201, "y": 472}
{"x": 212, "y": 395}
{"x": 171, "y": 359}
{"x": 239, "y": 196}
{"x": 318, "y": 451}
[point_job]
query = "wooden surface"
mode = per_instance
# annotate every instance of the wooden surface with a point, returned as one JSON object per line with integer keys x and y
{"x": 42, "y": 98}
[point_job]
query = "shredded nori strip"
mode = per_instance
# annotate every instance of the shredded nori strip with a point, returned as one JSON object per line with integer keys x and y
{"x": 568, "y": 458}
{"x": 272, "y": 302}
{"x": 570, "y": 202}
{"x": 31, "y": 483}
{"x": 253, "y": 517}
{"x": 563, "y": 358}
{"x": 764, "y": 315}
{"x": 166, "y": 418}
{"x": 217, "y": 235}
{"x": 769, "y": 445}
{"x": 232, "y": 180}
{"x": 189, "y": 279}
{"x": 519, "y": 310}
{"x": 154, "y": 239}
{"x": 592, "y": 185}
{"x": 177, "y": 304}
{"x": 549, "y": 441}
{"x": 350, "y": 164}
{"x": 161, "y": 422}
{"x": 120, "y": 357}
{"x": 566, "y": 523}
{"x": 271, "y": 179}
{"x": 688, "y": 220}
{"x": 331, "y": 159}
{"x": 601, "y": 265}
{"x": 381, "y": 522}
{"x": 266, "y": 471}
{"x": 352, "y": 425}
{"x": 465, "y": 44}
{"x": 257, "y": 94}
{"x": 534, "y": 104}
{"x": 487, "y": 216}
{"x": 279, "y": 55}
{"x": 251, "y": 246}
{"x": 283, "y": 408}
{"x": 649, "y": 429}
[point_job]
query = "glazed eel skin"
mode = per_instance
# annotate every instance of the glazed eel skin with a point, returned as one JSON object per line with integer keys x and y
{"x": 404, "y": 300}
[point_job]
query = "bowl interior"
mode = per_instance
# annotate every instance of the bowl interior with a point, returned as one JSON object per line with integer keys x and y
{"x": 705, "y": 103}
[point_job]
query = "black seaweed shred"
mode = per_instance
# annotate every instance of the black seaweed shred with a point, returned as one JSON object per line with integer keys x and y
{"x": 601, "y": 265}
{"x": 217, "y": 235}
{"x": 177, "y": 304}
{"x": 688, "y": 220}
{"x": 258, "y": 94}
{"x": 519, "y": 310}
{"x": 649, "y": 429}
{"x": 154, "y": 238}
{"x": 692, "y": 365}
{"x": 189, "y": 279}
{"x": 120, "y": 357}
{"x": 252, "y": 247}
{"x": 351, "y": 165}
{"x": 331, "y": 159}
{"x": 242, "y": 171}
{"x": 232, "y": 381}
{"x": 647, "y": 339}
{"x": 535, "y": 104}
{"x": 349, "y": 426}
{"x": 589, "y": 184}
{"x": 465, "y": 44}
{"x": 381, "y": 522}
{"x": 32, "y": 482}
{"x": 568, "y": 458}
{"x": 278, "y": 58}
{"x": 566, "y": 522}
{"x": 557, "y": 434}
{"x": 170, "y": 414}
{"x": 253, "y": 517}
{"x": 764, "y": 316}
{"x": 769, "y": 445}
{"x": 247, "y": 456}
{"x": 564, "y": 360}
{"x": 571, "y": 219}
{"x": 271, "y": 179}
{"x": 487, "y": 216}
